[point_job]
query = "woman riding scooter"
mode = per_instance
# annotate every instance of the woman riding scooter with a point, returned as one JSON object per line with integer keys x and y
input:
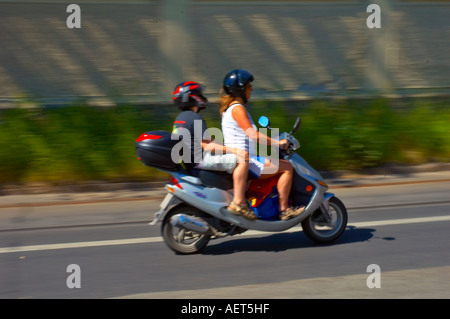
{"x": 239, "y": 131}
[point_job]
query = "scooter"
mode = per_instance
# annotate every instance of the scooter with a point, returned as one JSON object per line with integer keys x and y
{"x": 194, "y": 210}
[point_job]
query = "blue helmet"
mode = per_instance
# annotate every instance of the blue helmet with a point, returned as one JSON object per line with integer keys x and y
{"x": 235, "y": 82}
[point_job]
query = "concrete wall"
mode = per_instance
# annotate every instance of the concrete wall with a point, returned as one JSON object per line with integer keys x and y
{"x": 139, "y": 50}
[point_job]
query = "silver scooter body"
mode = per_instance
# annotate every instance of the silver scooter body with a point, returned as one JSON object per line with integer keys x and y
{"x": 213, "y": 201}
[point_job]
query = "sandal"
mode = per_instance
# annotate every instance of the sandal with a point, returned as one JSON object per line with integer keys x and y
{"x": 242, "y": 210}
{"x": 291, "y": 212}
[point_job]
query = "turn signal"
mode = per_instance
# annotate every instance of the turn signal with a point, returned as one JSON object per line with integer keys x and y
{"x": 170, "y": 189}
{"x": 322, "y": 183}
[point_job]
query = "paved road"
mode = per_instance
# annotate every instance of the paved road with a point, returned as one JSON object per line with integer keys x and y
{"x": 387, "y": 227}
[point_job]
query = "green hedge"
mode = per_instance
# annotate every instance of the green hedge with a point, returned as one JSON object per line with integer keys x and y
{"x": 79, "y": 143}
{"x": 356, "y": 134}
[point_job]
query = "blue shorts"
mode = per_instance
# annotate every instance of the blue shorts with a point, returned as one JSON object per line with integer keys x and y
{"x": 256, "y": 165}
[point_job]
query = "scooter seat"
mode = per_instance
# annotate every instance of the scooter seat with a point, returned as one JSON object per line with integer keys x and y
{"x": 217, "y": 179}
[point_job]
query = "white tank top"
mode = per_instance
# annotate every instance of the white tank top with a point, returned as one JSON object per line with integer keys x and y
{"x": 234, "y": 135}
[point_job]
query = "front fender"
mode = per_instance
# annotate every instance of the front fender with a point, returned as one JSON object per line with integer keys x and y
{"x": 326, "y": 199}
{"x": 325, "y": 206}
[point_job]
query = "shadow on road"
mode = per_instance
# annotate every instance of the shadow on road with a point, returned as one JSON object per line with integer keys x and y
{"x": 283, "y": 241}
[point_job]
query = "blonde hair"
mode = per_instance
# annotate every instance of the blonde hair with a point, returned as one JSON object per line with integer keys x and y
{"x": 224, "y": 101}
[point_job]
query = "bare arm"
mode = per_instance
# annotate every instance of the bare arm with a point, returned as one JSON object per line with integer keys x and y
{"x": 240, "y": 116}
{"x": 214, "y": 147}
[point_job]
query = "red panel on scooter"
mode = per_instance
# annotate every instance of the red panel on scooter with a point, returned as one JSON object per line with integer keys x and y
{"x": 259, "y": 189}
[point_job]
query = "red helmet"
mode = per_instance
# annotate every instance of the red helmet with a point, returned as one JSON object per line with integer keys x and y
{"x": 188, "y": 94}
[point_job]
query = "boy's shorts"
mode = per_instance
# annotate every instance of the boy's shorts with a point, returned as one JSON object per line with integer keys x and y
{"x": 227, "y": 163}
{"x": 220, "y": 162}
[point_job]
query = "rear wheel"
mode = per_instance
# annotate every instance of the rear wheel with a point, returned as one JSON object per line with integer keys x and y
{"x": 181, "y": 240}
{"x": 317, "y": 228}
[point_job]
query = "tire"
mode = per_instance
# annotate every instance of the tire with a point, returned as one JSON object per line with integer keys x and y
{"x": 317, "y": 229}
{"x": 180, "y": 240}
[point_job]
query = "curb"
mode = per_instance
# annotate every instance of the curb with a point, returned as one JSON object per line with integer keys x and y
{"x": 335, "y": 178}
{"x": 389, "y": 169}
{"x": 86, "y": 187}
{"x": 102, "y": 192}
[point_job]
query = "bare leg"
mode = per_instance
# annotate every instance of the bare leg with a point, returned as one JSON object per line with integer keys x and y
{"x": 284, "y": 182}
{"x": 240, "y": 175}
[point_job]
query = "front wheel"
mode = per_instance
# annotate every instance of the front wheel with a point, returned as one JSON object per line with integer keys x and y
{"x": 317, "y": 228}
{"x": 181, "y": 240}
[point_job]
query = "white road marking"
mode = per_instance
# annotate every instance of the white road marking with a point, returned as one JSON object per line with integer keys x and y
{"x": 147, "y": 240}
{"x": 402, "y": 221}
{"x": 80, "y": 244}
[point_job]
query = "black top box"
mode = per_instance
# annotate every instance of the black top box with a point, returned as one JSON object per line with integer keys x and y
{"x": 154, "y": 148}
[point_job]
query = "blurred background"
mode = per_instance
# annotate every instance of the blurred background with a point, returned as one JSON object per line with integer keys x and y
{"x": 73, "y": 101}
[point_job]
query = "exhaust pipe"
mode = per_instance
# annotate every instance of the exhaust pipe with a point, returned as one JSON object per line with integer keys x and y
{"x": 190, "y": 223}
